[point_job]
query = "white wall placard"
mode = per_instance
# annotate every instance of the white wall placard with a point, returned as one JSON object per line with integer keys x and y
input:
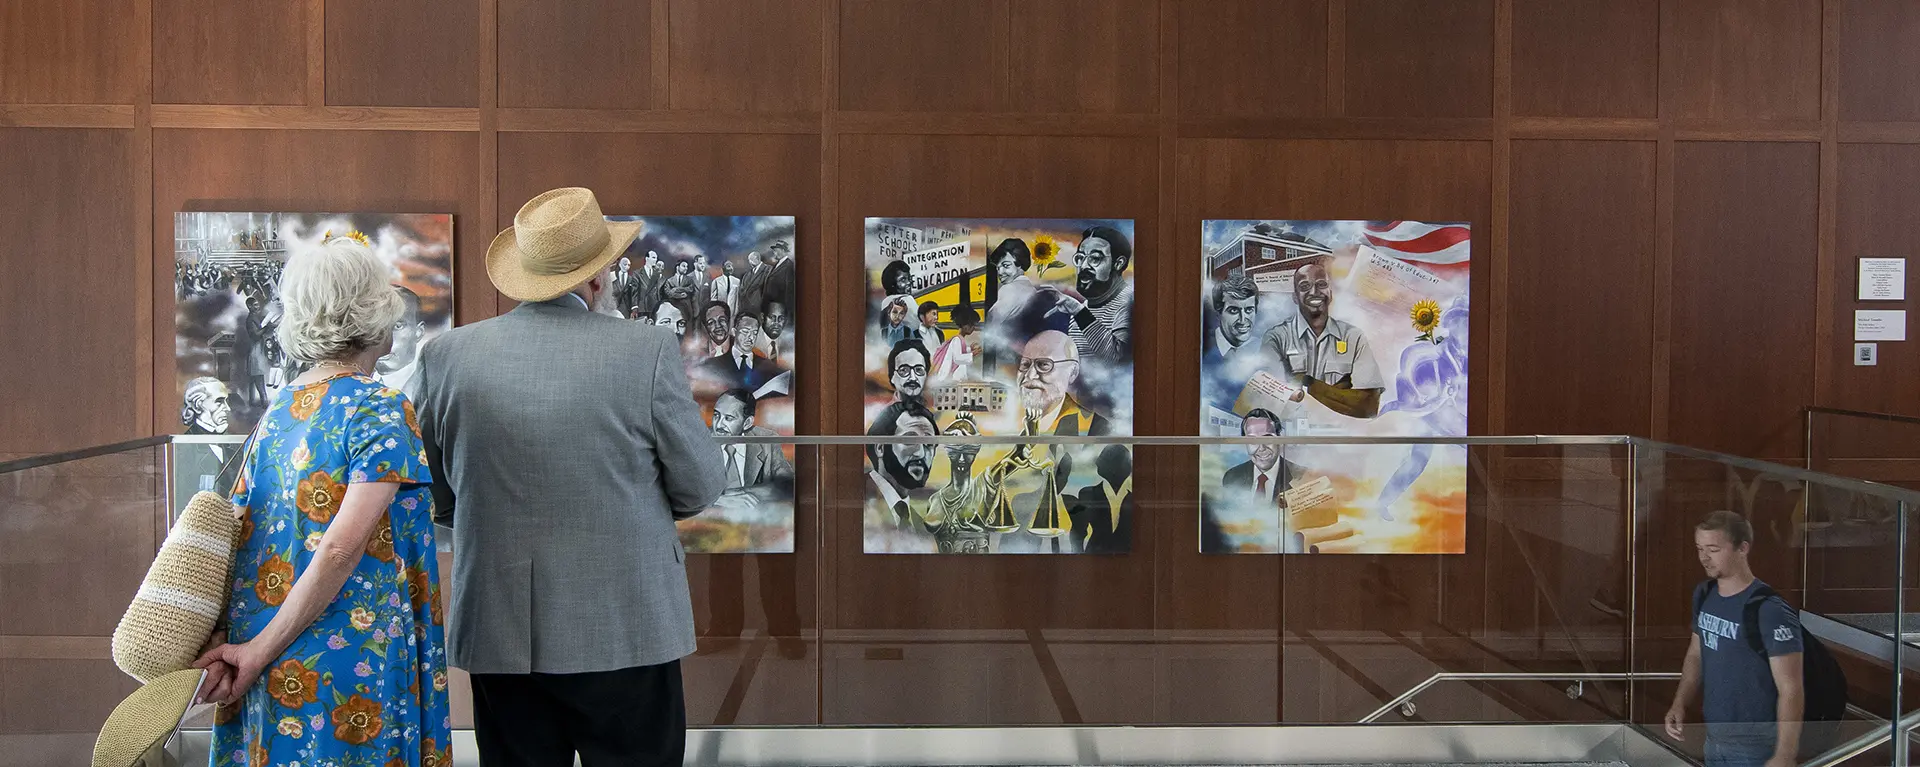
{"x": 1879, "y": 325}
{"x": 1866, "y": 354}
{"x": 1883, "y": 279}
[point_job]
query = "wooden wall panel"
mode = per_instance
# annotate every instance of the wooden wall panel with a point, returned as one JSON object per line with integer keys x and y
{"x": 1879, "y": 195}
{"x": 1742, "y": 59}
{"x": 229, "y": 51}
{"x": 423, "y": 53}
{"x": 668, "y": 174}
{"x": 1263, "y": 58}
{"x": 284, "y": 170}
{"x": 1880, "y": 60}
{"x": 65, "y": 52}
{"x": 1586, "y": 58}
{"x": 1419, "y": 59}
{"x": 1579, "y": 310}
{"x": 746, "y": 55}
{"x": 922, "y": 56}
{"x": 1084, "y": 55}
{"x": 71, "y": 321}
{"x": 580, "y": 54}
{"x": 1743, "y": 312}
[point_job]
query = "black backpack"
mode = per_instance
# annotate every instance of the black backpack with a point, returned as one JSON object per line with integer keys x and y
{"x": 1824, "y": 684}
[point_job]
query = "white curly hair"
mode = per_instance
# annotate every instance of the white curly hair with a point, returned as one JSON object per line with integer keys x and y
{"x": 337, "y": 301}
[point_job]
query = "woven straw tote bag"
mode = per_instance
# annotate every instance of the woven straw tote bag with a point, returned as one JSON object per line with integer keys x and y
{"x": 185, "y": 591}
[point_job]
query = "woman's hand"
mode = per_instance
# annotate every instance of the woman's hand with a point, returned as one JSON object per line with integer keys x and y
{"x": 219, "y": 678}
{"x": 246, "y": 660}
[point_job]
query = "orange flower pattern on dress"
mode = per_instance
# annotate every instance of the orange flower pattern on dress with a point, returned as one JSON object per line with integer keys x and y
{"x": 318, "y": 496}
{"x": 419, "y": 588}
{"x": 380, "y": 546}
{"x": 432, "y": 755}
{"x": 293, "y": 684}
{"x": 357, "y": 721}
{"x": 273, "y": 580}
{"x": 370, "y": 667}
{"x": 413, "y": 418}
{"x": 307, "y": 401}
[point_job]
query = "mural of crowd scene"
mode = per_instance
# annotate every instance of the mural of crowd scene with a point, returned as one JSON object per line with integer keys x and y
{"x": 1334, "y": 328}
{"x": 725, "y": 285}
{"x": 999, "y": 327}
{"x": 227, "y": 268}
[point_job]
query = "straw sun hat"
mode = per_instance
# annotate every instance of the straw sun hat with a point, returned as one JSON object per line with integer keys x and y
{"x": 142, "y": 722}
{"x": 558, "y": 241}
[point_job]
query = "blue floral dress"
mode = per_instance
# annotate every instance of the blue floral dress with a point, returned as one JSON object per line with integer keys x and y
{"x": 366, "y": 684}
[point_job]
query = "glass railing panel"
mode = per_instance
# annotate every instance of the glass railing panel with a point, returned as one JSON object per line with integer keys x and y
{"x": 1562, "y": 580}
{"x": 75, "y": 540}
{"x": 1535, "y": 607}
{"x": 1839, "y": 579}
{"x": 752, "y": 568}
{"x": 1216, "y": 644}
{"x": 1023, "y": 621}
{"x": 1875, "y": 447}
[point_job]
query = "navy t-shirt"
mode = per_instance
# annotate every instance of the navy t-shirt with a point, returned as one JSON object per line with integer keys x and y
{"x": 1738, "y": 681}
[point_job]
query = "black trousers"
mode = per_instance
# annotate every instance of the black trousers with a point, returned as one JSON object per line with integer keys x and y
{"x": 633, "y": 716}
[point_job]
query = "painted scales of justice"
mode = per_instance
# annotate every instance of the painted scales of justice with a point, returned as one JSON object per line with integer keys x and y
{"x": 963, "y": 514}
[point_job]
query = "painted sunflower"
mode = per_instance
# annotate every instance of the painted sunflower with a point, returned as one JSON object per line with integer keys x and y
{"x": 352, "y": 234}
{"x": 1045, "y": 250}
{"x": 1426, "y": 317}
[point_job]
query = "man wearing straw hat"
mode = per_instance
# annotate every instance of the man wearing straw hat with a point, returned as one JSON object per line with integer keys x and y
{"x": 564, "y": 444}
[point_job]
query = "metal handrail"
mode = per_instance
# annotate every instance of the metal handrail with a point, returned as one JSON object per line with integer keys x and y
{"x": 48, "y": 459}
{"x": 1867, "y": 741}
{"x": 1518, "y": 676}
{"x": 1906, "y": 419}
{"x": 1162, "y": 440}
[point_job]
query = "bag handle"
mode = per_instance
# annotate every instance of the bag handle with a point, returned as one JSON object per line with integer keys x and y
{"x": 229, "y": 475}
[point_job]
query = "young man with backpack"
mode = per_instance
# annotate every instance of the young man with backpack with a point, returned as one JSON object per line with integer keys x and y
{"x": 1762, "y": 678}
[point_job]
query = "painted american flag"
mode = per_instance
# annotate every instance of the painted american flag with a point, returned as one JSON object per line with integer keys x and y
{"x": 1422, "y": 243}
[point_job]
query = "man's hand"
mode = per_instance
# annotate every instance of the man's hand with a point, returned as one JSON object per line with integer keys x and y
{"x": 1676, "y": 727}
{"x": 1782, "y": 761}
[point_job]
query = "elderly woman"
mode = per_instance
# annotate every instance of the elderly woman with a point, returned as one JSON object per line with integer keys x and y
{"x": 336, "y": 653}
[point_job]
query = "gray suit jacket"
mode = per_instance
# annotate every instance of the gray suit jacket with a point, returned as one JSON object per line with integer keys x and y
{"x": 564, "y": 444}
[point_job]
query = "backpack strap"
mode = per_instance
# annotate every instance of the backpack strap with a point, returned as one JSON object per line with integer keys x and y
{"x": 1700, "y": 597}
{"x": 1750, "y": 617}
